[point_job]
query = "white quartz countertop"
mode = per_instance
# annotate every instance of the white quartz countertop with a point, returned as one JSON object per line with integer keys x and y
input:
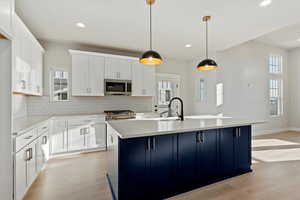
{"x": 21, "y": 125}
{"x": 26, "y": 123}
{"x": 144, "y": 127}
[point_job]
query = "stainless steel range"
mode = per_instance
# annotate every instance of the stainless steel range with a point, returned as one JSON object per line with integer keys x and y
{"x": 119, "y": 114}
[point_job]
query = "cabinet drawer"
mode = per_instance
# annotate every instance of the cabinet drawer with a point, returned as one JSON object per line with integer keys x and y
{"x": 25, "y": 139}
{"x": 78, "y": 123}
{"x": 43, "y": 128}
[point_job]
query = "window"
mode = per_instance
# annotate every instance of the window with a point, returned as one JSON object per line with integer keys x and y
{"x": 275, "y": 64}
{"x": 201, "y": 89}
{"x": 275, "y": 97}
{"x": 167, "y": 87}
{"x": 166, "y": 91}
{"x": 275, "y": 85}
{"x": 60, "y": 86}
{"x": 219, "y": 94}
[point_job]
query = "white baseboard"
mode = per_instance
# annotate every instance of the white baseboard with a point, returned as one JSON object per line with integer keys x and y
{"x": 267, "y": 132}
{"x": 294, "y": 129}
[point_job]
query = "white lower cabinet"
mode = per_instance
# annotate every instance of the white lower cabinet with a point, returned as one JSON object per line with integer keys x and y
{"x": 59, "y": 137}
{"x": 77, "y": 135}
{"x": 31, "y": 154}
{"x": 76, "y": 138}
{"x": 20, "y": 174}
{"x": 97, "y": 136}
{"x": 25, "y": 169}
{"x": 31, "y": 163}
{"x": 42, "y": 151}
{"x": 33, "y": 148}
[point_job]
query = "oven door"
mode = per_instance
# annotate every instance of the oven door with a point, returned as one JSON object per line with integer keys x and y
{"x": 115, "y": 87}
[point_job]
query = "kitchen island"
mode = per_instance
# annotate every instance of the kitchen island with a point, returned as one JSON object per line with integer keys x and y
{"x": 156, "y": 159}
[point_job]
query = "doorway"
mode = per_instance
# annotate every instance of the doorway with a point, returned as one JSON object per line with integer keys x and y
{"x": 167, "y": 87}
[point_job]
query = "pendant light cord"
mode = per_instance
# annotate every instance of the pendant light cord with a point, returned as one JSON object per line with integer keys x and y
{"x": 151, "y": 26}
{"x": 207, "y": 39}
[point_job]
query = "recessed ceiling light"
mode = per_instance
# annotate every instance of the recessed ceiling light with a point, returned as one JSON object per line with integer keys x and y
{"x": 188, "y": 45}
{"x": 80, "y": 25}
{"x": 265, "y": 3}
{"x": 299, "y": 40}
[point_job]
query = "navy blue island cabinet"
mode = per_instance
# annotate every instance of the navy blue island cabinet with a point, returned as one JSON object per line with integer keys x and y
{"x": 161, "y": 166}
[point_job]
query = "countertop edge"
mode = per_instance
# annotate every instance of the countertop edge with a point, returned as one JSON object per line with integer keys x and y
{"x": 184, "y": 130}
{"x": 21, "y": 131}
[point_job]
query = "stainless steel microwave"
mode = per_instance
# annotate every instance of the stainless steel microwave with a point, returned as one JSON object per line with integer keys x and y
{"x": 117, "y": 87}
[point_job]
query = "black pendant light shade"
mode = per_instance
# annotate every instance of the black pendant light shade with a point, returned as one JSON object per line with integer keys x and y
{"x": 207, "y": 64}
{"x": 151, "y": 57}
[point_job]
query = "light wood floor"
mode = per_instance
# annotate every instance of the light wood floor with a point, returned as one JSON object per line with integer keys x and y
{"x": 275, "y": 176}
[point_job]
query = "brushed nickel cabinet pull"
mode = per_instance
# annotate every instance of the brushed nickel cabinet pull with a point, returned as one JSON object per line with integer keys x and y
{"x": 154, "y": 144}
{"x": 198, "y": 137}
{"x": 202, "y": 137}
{"x": 111, "y": 139}
{"x": 148, "y": 144}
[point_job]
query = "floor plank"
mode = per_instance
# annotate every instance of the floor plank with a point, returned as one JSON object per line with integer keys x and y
{"x": 276, "y": 176}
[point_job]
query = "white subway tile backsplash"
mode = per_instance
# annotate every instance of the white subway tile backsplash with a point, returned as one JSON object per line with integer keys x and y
{"x": 83, "y": 105}
{"x": 19, "y": 106}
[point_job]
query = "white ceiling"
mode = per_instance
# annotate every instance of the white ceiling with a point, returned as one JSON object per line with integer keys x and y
{"x": 286, "y": 37}
{"x": 124, "y": 23}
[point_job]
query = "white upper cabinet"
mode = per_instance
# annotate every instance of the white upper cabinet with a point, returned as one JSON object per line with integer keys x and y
{"x": 6, "y": 16}
{"x": 87, "y": 74}
{"x": 89, "y": 70}
{"x": 149, "y": 81}
{"x": 80, "y": 70}
{"x": 118, "y": 68}
{"x": 96, "y": 75}
{"x": 137, "y": 79}
{"x": 36, "y": 74}
{"x": 143, "y": 80}
{"x": 27, "y": 61}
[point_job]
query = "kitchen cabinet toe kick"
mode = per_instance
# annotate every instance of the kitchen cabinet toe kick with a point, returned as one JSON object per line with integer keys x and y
{"x": 162, "y": 166}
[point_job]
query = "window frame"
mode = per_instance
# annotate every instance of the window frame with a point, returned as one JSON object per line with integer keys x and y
{"x": 280, "y": 64}
{"x": 51, "y": 92}
{"x": 201, "y": 90}
{"x": 217, "y": 94}
{"x": 273, "y": 75}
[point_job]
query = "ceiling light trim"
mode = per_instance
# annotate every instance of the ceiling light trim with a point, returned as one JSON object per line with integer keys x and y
{"x": 265, "y": 3}
{"x": 80, "y": 25}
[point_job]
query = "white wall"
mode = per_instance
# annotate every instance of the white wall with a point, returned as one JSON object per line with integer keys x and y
{"x": 244, "y": 73}
{"x": 6, "y": 162}
{"x": 208, "y": 105}
{"x": 294, "y": 88}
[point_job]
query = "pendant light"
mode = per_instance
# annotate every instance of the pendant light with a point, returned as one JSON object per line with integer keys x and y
{"x": 151, "y": 57}
{"x": 207, "y": 64}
